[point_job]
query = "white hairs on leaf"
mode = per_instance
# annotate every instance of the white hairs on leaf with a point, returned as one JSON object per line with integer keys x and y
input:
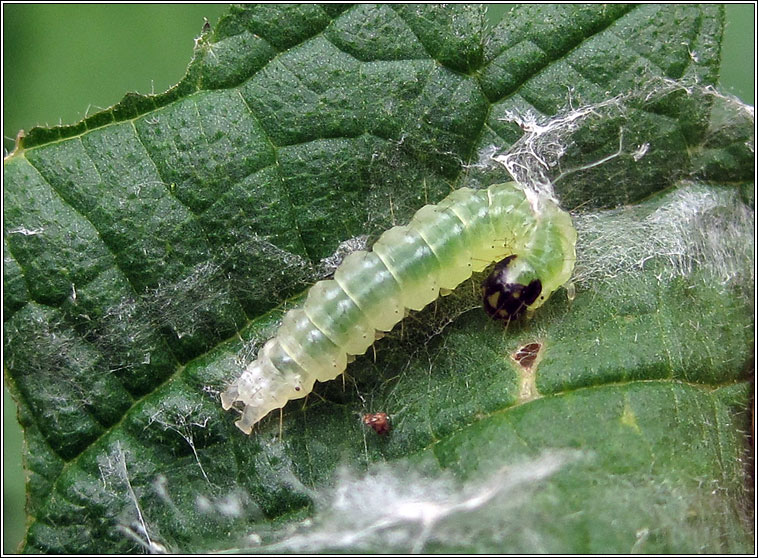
{"x": 395, "y": 509}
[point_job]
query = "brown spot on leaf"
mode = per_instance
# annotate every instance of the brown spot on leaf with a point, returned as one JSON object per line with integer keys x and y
{"x": 526, "y": 355}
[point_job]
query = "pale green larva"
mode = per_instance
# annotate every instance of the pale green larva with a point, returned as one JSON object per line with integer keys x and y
{"x": 530, "y": 236}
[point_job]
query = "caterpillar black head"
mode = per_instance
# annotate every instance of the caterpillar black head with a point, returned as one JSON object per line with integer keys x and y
{"x": 510, "y": 289}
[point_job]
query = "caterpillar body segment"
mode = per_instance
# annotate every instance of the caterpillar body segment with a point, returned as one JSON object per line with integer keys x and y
{"x": 532, "y": 239}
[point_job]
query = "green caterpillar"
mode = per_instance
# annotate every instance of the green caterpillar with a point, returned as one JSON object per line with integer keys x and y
{"x": 530, "y": 236}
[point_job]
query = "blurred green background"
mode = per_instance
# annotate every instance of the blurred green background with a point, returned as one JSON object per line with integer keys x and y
{"x": 62, "y": 62}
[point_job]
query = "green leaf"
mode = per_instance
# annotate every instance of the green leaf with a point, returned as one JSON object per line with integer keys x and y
{"x": 150, "y": 249}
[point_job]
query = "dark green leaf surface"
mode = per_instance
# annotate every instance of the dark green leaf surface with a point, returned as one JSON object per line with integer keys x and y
{"x": 147, "y": 246}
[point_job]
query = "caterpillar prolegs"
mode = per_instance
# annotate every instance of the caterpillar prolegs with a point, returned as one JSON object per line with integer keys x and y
{"x": 530, "y": 236}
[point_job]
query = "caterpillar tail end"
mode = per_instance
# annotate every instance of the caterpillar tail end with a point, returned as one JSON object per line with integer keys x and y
{"x": 242, "y": 391}
{"x": 256, "y": 397}
{"x": 229, "y": 396}
{"x": 248, "y": 419}
{"x": 251, "y": 413}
